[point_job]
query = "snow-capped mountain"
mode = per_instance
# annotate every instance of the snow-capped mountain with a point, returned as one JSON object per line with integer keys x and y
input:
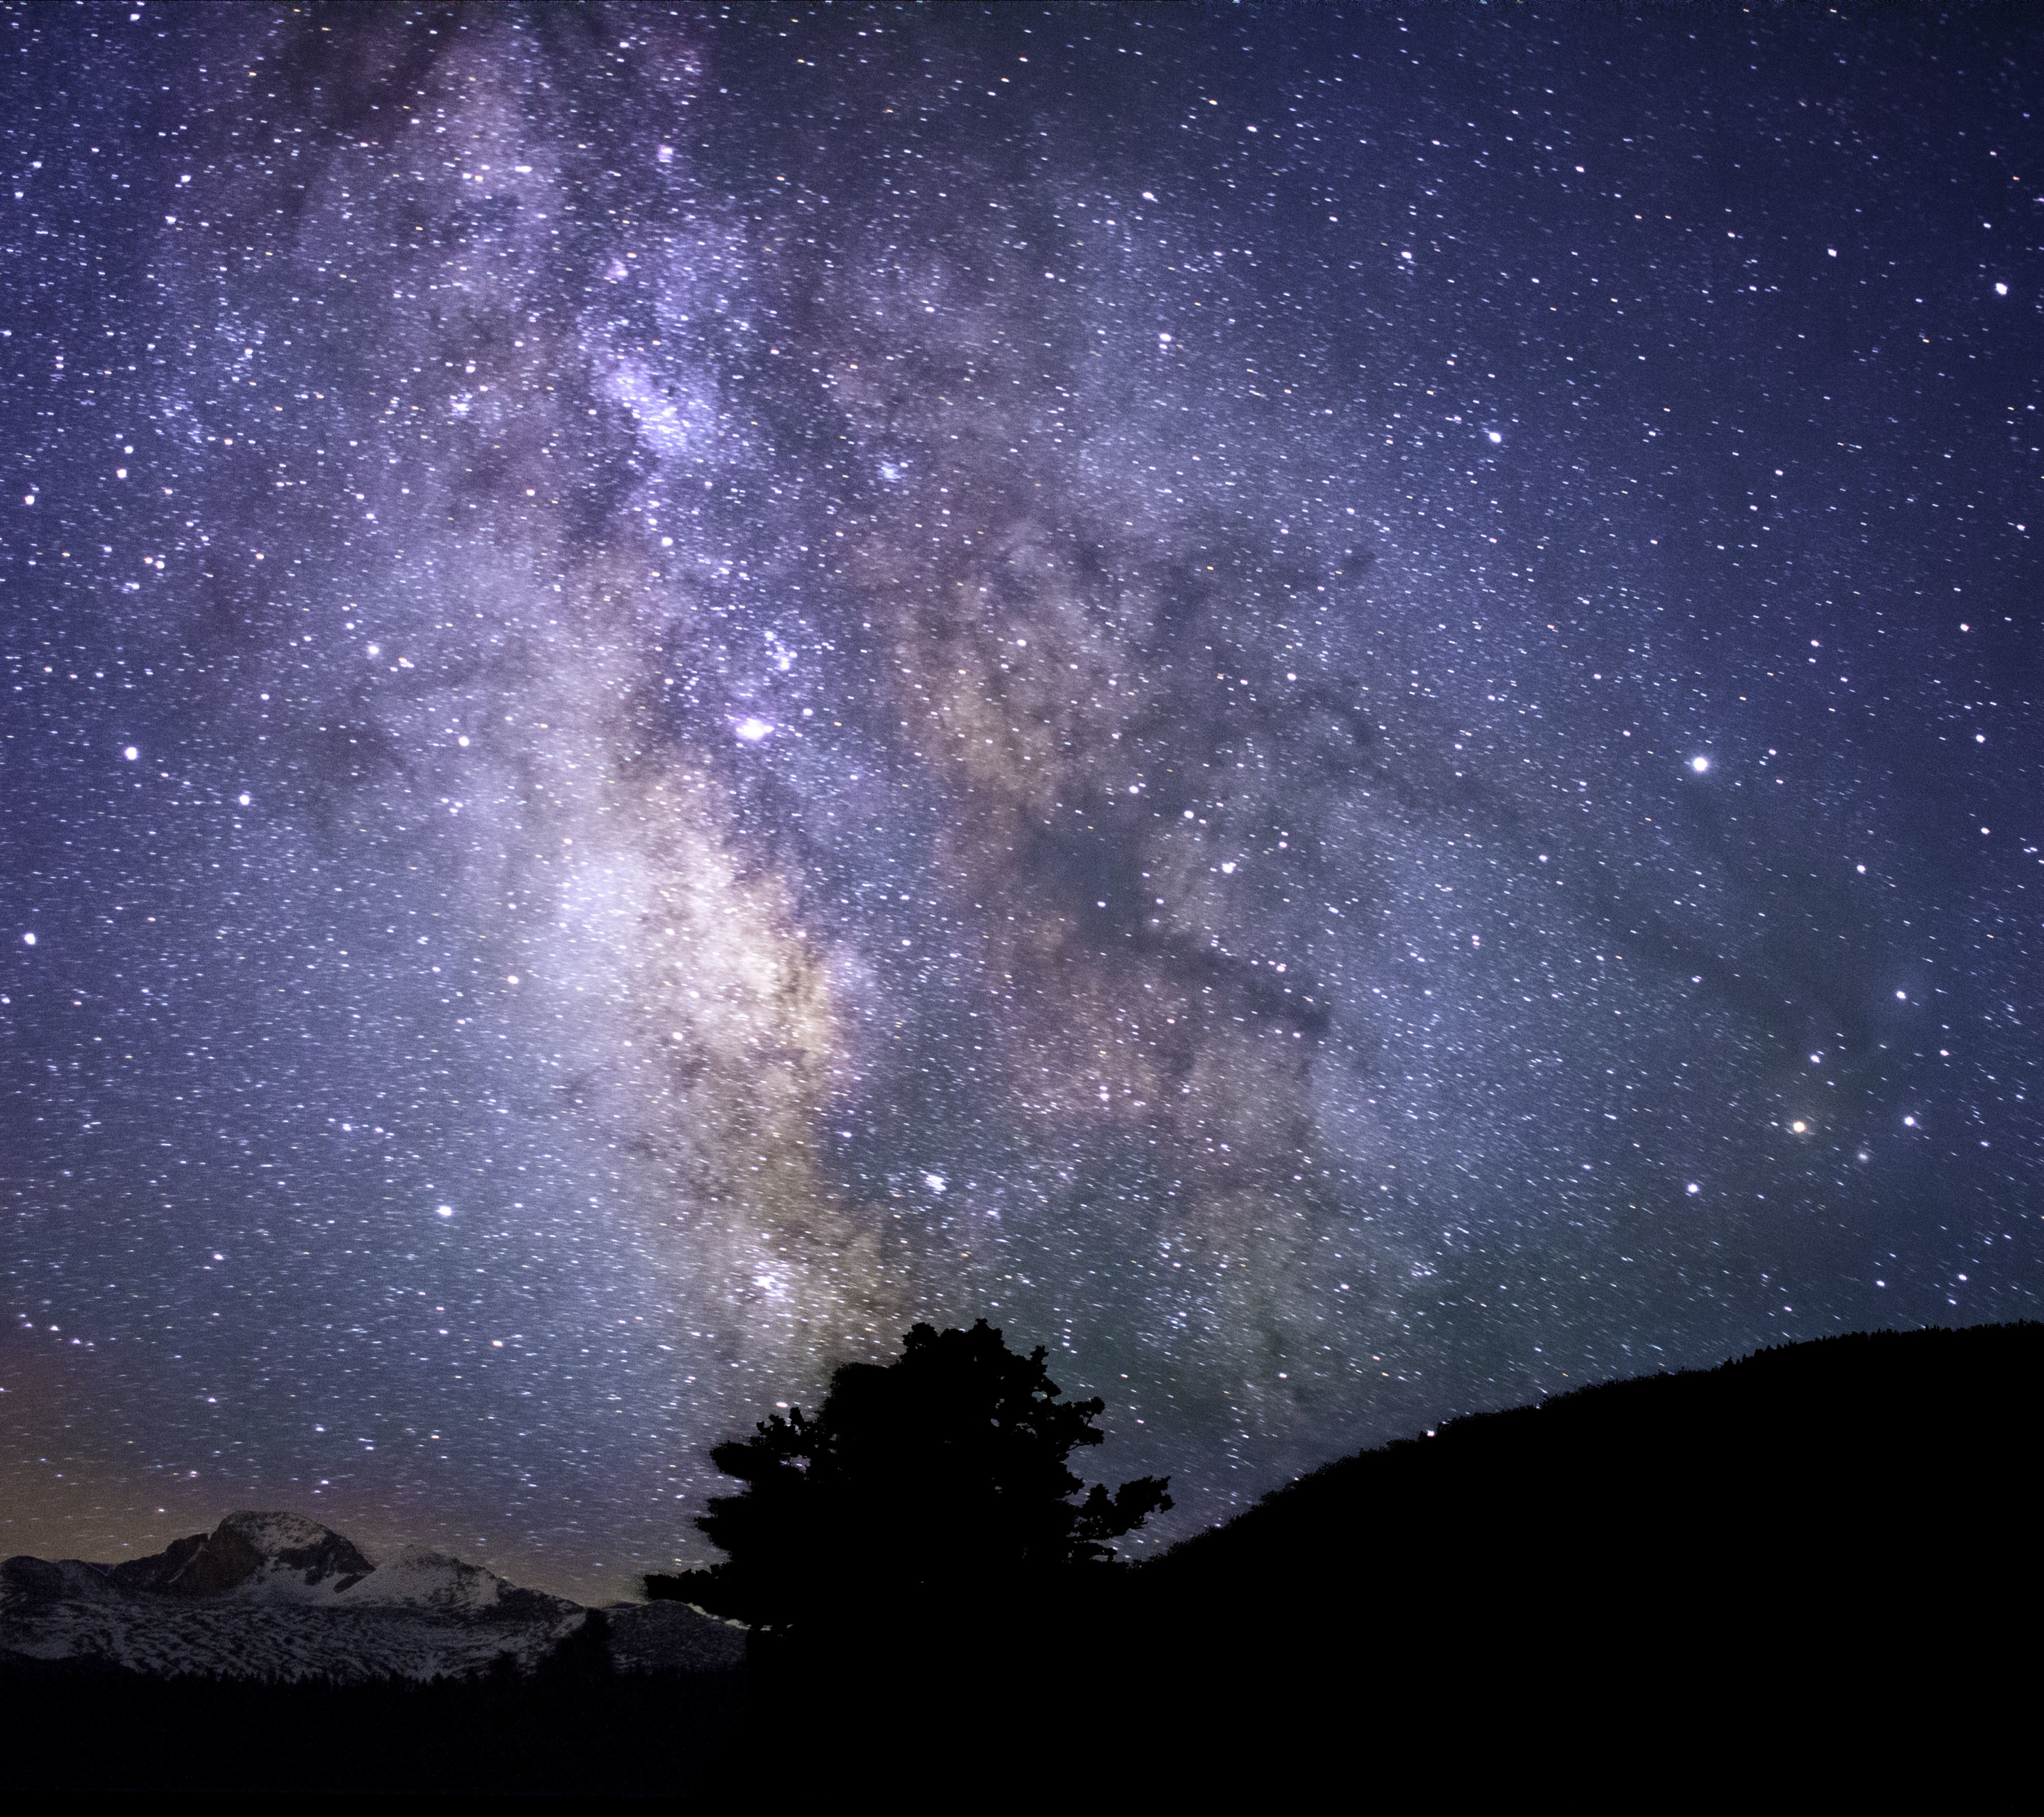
{"x": 278, "y": 1595}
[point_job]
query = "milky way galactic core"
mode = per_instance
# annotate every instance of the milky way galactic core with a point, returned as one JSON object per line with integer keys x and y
{"x": 1337, "y": 710}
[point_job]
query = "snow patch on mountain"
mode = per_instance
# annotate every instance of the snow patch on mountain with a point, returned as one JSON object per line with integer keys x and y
{"x": 277, "y": 1594}
{"x": 424, "y": 1579}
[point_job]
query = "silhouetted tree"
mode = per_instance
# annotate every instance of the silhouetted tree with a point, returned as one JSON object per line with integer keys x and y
{"x": 938, "y": 1478}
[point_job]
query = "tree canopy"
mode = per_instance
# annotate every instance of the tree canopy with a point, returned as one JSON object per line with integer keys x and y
{"x": 940, "y": 1476}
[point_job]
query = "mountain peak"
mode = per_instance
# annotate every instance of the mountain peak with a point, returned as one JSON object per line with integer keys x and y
{"x": 274, "y": 1594}
{"x": 251, "y": 1551}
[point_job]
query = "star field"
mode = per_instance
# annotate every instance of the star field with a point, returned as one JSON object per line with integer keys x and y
{"x": 1338, "y": 711}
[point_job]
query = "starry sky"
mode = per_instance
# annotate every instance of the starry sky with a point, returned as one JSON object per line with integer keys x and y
{"x": 1337, "y": 708}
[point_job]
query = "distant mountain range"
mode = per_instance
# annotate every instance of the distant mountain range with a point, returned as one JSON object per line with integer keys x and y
{"x": 273, "y": 1595}
{"x": 1828, "y": 1546}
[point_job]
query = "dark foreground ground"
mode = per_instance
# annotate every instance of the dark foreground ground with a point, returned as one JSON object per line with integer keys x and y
{"x": 1816, "y": 1566}
{"x": 78, "y": 1727}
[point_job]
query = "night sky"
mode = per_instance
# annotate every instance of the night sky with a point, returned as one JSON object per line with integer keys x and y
{"x": 1338, "y": 709}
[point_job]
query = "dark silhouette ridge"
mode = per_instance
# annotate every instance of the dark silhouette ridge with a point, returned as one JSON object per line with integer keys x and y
{"x": 1809, "y": 1545}
{"x": 1834, "y": 1444}
{"x": 1812, "y": 1567}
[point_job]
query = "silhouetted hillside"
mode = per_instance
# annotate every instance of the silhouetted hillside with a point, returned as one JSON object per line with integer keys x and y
{"x": 1841, "y": 1449}
{"x": 1710, "y": 1562}
{"x": 1827, "y": 1548}
{"x": 1841, "y": 1530}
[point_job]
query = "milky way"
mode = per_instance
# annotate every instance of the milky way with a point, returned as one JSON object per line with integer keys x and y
{"x": 1339, "y": 713}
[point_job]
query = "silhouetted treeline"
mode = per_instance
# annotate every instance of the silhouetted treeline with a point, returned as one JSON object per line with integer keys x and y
{"x": 1827, "y": 1550}
{"x": 573, "y": 1725}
